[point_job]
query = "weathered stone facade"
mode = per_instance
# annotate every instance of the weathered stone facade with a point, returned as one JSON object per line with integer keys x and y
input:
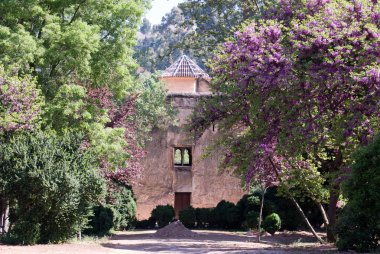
{"x": 163, "y": 181}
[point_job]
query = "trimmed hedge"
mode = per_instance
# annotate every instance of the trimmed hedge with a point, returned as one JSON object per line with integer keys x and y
{"x": 227, "y": 215}
{"x": 188, "y": 217}
{"x": 163, "y": 214}
{"x": 203, "y": 217}
{"x": 146, "y": 224}
{"x": 252, "y": 219}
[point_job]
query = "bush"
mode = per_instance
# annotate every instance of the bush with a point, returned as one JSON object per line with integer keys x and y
{"x": 146, "y": 224}
{"x": 203, "y": 217}
{"x": 227, "y": 215}
{"x": 102, "y": 221}
{"x": 51, "y": 185}
{"x": 120, "y": 197}
{"x": 24, "y": 232}
{"x": 290, "y": 217}
{"x": 272, "y": 223}
{"x": 249, "y": 202}
{"x": 358, "y": 227}
{"x": 252, "y": 219}
{"x": 188, "y": 217}
{"x": 163, "y": 214}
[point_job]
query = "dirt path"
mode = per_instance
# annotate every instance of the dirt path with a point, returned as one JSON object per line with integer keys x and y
{"x": 206, "y": 242}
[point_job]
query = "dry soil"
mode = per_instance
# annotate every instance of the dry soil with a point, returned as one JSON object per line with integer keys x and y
{"x": 202, "y": 242}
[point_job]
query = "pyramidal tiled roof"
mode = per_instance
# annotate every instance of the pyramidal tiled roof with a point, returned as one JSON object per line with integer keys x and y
{"x": 184, "y": 67}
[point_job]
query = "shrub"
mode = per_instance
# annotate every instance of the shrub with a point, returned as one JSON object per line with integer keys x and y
{"x": 146, "y": 224}
{"x": 120, "y": 197}
{"x": 188, "y": 217}
{"x": 272, "y": 223}
{"x": 102, "y": 221}
{"x": 249, "y": 202}
{"x": 252, "y": 219}
{"x": 227, "y": 215}
{"x": 24, "y": 232}
{"x": 203, "y": 217}
{"x": 51, "y": 185}
{"x": 163, "y": 214}
{"x": 290, "y": 217}
{"x": 358, "y": 227}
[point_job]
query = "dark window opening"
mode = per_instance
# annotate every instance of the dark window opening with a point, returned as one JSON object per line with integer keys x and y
{"x": 182, "y": 156}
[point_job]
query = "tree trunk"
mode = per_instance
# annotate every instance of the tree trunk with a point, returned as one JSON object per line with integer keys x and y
{"x": 334, "y": 197}
{"x": 261, "y": 213}
{"x": 306, "y": 220}
{"x": 298, "y": 207}
{"x": 324, "y": 215}
{"x": 4, "y": 211}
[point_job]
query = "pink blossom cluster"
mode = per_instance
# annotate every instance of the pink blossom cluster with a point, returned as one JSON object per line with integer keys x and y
{"x": 120, "y": 116}
{"x": 306, "y": 77}
{"x": 20, "y": 104}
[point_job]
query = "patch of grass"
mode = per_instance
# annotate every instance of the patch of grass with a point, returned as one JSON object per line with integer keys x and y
{"x": 90, "y": 239}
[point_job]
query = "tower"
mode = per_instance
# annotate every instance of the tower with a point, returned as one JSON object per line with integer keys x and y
{"x": 175, "y": 172}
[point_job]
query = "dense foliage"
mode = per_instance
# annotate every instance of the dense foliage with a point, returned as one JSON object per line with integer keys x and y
{"x": 249, "y": 207}
{"x": 272, "y": 223}
{"x": 358, "y": 226}
{"x": 163, "y": 215}
{"x": 63, "y": 42}
{"x": 50, "y": 184}
{"x": 146, "y": 224}
{"x": 67, "y": 67}
{"x": 226, "y": 215}
{"x": 20, "y": 101}
{"x": 297, "y": 90}
{"x": 188, "y": 217}
{"x": 102, "y": 221}
{"x": 252, "y": 219}
{"x": 120, "y": 198}
{"x": 203, "y": 217}
{"x": 160, "y": 45}
{"x": 195, "y": 28}
{"x": 80, "y": 56}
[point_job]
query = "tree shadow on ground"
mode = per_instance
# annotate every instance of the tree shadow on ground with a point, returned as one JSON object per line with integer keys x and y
{"x": 214, "y": 242}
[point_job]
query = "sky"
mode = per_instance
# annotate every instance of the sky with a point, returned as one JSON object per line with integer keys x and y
{"x": 159, "y": 9}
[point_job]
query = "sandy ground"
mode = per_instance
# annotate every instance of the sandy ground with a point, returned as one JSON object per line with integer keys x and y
{"x": 206, "y": 242}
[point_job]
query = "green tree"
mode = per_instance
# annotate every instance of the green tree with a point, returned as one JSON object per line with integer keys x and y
{"x": 71, "y": 48}
{"x": 50, "y": 184}
{"x": 62, "y": 42}
{"x": 195, "y": 28}
{"x": 80, "y": 55}
{"x": 161, "y": 45}
{"x": 358, "y": 227}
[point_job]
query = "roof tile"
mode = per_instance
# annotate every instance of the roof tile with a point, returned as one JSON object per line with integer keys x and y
{"x": 184, "y": 67}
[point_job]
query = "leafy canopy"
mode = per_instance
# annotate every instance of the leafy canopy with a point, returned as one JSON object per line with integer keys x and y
{"x": 301, "y": 84}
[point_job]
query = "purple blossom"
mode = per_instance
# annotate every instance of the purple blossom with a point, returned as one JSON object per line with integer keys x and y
{"x": 19, "y": 102}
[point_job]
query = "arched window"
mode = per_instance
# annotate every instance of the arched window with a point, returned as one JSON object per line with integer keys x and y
{"x": 182, "y": 156}
{"x": 178, "y": 156}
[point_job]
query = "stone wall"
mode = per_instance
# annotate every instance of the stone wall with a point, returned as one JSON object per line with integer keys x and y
{"x": 162, "y": 179}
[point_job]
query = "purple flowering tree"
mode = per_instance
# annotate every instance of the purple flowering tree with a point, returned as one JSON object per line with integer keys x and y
{"x": 20, "y": 109}
{"x": 302, "y": 84}
{"x": 20, "y": 102}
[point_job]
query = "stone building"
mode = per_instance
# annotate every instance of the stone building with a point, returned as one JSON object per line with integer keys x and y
{"x": 175, "y": 173}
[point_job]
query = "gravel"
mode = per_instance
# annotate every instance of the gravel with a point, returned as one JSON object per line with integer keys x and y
{"x": 175, "y": 230}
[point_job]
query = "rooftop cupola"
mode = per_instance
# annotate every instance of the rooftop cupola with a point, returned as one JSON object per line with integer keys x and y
{"x": 185, "y": 76}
